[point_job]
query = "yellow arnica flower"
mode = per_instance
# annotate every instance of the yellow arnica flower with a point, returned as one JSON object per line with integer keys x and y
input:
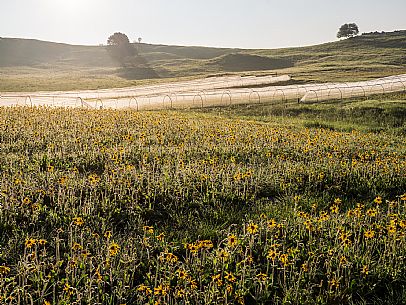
{"x": 272, "y": 254}
{"x": 369, "y": 234}
{"x": 230, "y": 277}
{"x": 113, "y": 249}
{"x": 182, "y": 274}
{"x": 378, "y": 200}
{"x": 30, "y": 242}
{"x": 347, "y": 242}
{"x": 262, "y": 277}
{"x": 206, "y": 244}
{"x": 78, "y": 221}
{"x": 333, "y": 284}
{"x": 223, "y": 254}
{"x": 180, "y": 293}
{"x": 76, "y": 247}
{"x": 334, "y": 209}
{"x": 149, "y": 230}
{"x": 161, "y": 290}
{"x": 391, "y": 229}
{"x": 308, "y": 224}
{"x": 372, "y": 212}
{"x": 271, "y": 224}
{"x": 69, "y": 289}
{"x": 42, "y": 242}
{"x": 145, "y": 289}
{"x": 232, "y": 240}
{"x": 170, "y": 257}
{"x": 160, "y": 237}
{"x": 217, "y": 279}
{"x": 4, "y": 270}
{"x": 252, "y": 228}
{"x": 284, "y": 259}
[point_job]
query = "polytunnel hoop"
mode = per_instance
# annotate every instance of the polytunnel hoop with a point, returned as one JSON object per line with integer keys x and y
{"x": 136, "y": 103}
{"x": 201, "y": 98}
{"x": 226, "y": 92}
{"x": 254, "y": 92}
{"x": 335, "y": 88}
{"x": 283, "y": 94}
{"x": 363, "y": 90}
{"x": 170, "y": 99}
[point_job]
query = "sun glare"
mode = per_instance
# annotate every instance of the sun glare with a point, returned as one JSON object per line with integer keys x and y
{"x": 68, "y": 6}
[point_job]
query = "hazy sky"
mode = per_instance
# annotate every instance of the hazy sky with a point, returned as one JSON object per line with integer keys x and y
{"x": 222, "y": 23}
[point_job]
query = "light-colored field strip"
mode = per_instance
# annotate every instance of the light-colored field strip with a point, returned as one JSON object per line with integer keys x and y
{"x": 206, "y": 92}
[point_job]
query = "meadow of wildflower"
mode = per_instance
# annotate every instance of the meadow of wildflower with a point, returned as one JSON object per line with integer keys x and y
{"x": 180, "y": 207}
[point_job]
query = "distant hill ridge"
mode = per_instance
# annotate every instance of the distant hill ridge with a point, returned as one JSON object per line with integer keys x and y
{"x": 31, "y": 52}
{"x": 29, "y": 64}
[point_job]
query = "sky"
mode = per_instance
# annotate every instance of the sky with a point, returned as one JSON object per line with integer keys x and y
{"x": 214, "y": 23}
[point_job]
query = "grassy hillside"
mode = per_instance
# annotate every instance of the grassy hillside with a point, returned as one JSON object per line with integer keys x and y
{"x": 29, "y": 65}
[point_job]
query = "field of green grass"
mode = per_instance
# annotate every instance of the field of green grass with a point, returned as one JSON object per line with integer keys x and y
{"x": 30, "y": 65}
{"x": 272, "y": 203}
{"x": 257, "y": 204}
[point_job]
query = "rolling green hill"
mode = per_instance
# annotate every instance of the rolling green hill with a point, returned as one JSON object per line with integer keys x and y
{"x": 29, "y": 65}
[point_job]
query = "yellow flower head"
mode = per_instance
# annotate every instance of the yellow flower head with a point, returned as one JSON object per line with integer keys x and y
{"x": 4, "y": 270}
{"x": 232, "y": 240}
{"x": 78, "y": 221}
{"x": 230, "y": 277}
{"x": 333, "y": 284}
{"x": 252, "y": 228}
{"x": 334, "y": 209}
{"x": 182, "y": 274}
{"x": 262, "y": 277}
{"x": 283, "y": 259}
{"x": 42, "y": 242}
{"x": 369, "y": 234}
{"x": 223, "y": 254}
{"x": 271, "y": 224}
{"x": 372, "y": 212}
{"x": 149, "y": 230}
{"x": 76, "y": 247}
{"x": 305, "y": 267}
{"x": 160, "y": 237}
{"x": 272, "y": 254}
{"x": 30, "y": 242}
{"x": 391, "y": 229}
{"x": 113, "y": 249}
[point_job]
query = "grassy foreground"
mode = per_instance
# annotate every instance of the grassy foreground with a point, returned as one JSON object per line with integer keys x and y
{"x": 120, "y": 207}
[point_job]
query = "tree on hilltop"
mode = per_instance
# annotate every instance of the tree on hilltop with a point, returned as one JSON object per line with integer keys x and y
{"x": 120, "y": 48}
{"x": 348, "y": 30}
{"x": 118, "y": 39}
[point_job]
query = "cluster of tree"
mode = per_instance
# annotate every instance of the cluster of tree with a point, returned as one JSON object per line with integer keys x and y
{"x": 121, "y": 49}
{"x": 348, "y": 30}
